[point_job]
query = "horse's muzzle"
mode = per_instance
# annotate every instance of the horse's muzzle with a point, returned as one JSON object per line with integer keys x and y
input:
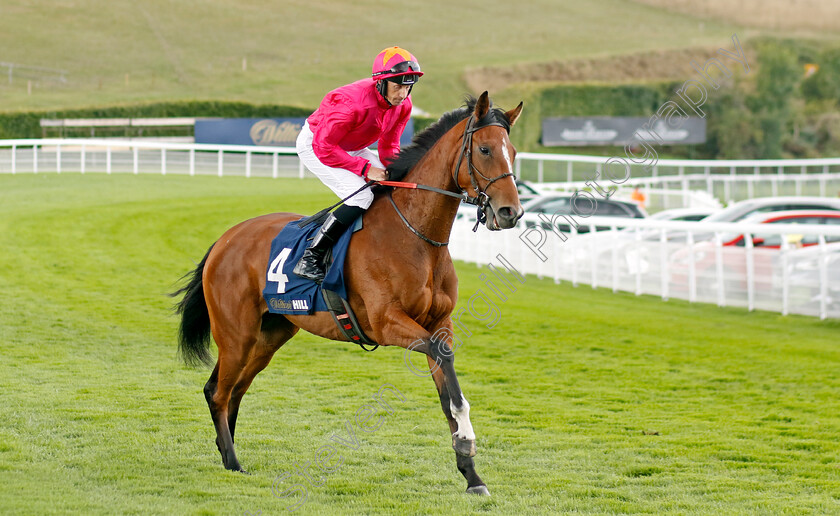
{"x": 504, "y": 218}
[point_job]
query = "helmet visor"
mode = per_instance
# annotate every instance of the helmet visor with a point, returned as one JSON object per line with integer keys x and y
{"x": 405, "y": 66}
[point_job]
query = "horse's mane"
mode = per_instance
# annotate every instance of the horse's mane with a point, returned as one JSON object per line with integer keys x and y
{"x": 426, "y": 139}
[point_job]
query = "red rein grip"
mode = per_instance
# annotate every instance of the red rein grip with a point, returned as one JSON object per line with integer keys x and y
{"x": 397, "y": 184}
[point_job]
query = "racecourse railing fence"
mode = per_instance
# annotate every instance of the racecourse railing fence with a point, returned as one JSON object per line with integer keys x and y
{"x": 121, "y": 156}
{"x": 36, "y": 73}
{"x": 673, "y": 182}
{"x": 668, "y": 184}
{"x": 685, "y": 260}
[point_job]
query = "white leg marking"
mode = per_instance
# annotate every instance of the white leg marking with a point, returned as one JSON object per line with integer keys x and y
{"x": 465, "y": 429}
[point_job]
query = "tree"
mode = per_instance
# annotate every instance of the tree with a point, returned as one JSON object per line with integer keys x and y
{"x": 776, "y": 86}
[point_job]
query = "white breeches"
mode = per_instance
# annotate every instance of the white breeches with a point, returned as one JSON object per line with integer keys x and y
{"x": 342, "y": 182}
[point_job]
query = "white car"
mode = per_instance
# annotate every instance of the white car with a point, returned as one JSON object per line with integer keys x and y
{"x": 738, "y": 211}
{"x": 816, "y": 271}
{"x": 684, "y": 214}
{"x": 742, "y": 209}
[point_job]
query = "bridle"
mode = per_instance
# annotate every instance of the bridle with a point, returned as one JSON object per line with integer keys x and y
{"x": 466, "y": 150}
{"x": 480, "y": 200}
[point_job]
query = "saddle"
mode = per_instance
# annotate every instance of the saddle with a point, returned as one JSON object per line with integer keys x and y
{"x": 287, "y": 293}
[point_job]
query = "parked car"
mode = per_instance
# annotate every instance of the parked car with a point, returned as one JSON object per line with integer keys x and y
{"x": 526, "y": 191}
{"x": 562, "y": 205}
{"x": 740, "y": 210}
{"x": 806, "y": 275}
{"x": 733, "y": 257}
{"x": 645, "y": 256}
{"x": 684, "y": 214}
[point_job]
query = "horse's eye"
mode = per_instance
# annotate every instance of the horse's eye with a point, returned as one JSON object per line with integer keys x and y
{"x": 484, "y": 150}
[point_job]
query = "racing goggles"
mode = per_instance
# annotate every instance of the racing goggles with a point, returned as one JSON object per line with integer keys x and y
{"x": 406, "y": 67}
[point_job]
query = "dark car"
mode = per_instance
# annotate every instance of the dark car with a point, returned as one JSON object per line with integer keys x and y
{"x": 526, "y": 191}
{"x": 562, "y": 205}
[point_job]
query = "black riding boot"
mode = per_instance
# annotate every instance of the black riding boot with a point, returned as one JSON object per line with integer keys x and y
{"x": 311, "y": 265}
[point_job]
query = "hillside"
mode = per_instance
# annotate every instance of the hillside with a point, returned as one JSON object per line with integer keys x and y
{"x": 787, "y": 15}
{"x": 641, "y": 66}
{"x": 292, "y": 53}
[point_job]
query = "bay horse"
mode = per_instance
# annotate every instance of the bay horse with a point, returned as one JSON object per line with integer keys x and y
{"x": 402, "y": 288}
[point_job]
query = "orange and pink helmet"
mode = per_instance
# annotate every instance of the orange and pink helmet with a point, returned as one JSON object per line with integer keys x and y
{"x": 398, "y": 65}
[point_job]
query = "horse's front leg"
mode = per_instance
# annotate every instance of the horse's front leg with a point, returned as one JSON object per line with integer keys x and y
{"x": 441, "y": 358}
{"x": 401, "y": 330}
{"x": 457, "y": 411}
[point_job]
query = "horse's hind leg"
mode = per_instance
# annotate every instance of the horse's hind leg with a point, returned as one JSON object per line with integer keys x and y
{"x": 218, "y": 390}
{"x": 276, "y": 331}
{"x": 464, "y": 445}
{"x": 209, "y": 391}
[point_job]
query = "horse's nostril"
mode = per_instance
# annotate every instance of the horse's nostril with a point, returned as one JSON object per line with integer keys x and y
{"x": 506, "y": 212}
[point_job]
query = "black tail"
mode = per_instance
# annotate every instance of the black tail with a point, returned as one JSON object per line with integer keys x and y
{"x": 194, "y": 334}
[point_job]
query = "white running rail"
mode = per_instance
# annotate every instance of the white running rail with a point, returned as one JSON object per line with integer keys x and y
{"x": 728, "y": 180}
{"x": 125, "y": 156}
{"x": 685, "y": 260}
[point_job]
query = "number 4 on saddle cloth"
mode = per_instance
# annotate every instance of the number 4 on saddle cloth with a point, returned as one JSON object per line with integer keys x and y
{"x": 288, "y": 293}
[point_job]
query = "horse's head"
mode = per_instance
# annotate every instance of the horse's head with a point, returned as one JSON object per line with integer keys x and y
{"x": 485, "y": 163}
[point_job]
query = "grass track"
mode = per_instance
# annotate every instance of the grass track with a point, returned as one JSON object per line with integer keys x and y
{"x": 98, "y": 416}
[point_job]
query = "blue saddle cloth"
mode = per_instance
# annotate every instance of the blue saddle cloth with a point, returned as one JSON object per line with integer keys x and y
{"x": 286, "y": 292}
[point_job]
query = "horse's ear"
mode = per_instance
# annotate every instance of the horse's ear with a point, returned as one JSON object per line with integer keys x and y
{"x": 513, "y": 114}
{"x": 482, "y": 105}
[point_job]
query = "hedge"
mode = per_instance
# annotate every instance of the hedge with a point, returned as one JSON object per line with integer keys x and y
{"x": 26, "y": 124}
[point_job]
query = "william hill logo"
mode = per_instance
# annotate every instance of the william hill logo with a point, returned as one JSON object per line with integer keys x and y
{"x": 271, "y": 132}
{"x": 279, "y": 304}
{"x": 296, "y": 304}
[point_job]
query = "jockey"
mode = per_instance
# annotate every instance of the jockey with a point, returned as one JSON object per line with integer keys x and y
{"x": 333, "y": 144}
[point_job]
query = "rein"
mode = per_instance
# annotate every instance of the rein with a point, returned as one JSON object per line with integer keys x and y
{"x": 409, "y": 226}
{"x": 480, "y": 201}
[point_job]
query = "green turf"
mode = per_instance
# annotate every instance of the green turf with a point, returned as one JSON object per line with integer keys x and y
{"x": 298, "y": 50}
{"x": 584, "y": 401}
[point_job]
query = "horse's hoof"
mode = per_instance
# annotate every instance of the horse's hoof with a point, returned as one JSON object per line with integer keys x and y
{"x": 478, "y": 490}
{"x": 463, "y": 447}
{"x": 235, "y": 467}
